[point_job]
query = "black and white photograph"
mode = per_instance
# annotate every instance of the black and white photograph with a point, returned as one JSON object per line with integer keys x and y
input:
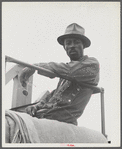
{"x": 61, "y": 74}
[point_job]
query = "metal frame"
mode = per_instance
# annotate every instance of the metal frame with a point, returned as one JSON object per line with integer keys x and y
{"x": 102, "y": 112}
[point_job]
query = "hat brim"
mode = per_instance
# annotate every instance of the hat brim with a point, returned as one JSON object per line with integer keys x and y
{"x": 85, "y": 40}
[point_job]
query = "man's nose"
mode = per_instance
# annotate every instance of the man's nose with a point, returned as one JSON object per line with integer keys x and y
{"x": 72, "y": 44}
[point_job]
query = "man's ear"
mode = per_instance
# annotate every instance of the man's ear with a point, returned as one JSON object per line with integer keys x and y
{"x": 84, "y": 46}
{"x": 64, "y": 46}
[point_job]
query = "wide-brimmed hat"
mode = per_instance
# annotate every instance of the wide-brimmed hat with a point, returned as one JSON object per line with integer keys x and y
{"x": 75, "y": 30}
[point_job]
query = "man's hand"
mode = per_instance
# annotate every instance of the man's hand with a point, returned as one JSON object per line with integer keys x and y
{"x": 31, "y": 110}
{"x": 48, "y": 105}
{"x": 26, "y": 73}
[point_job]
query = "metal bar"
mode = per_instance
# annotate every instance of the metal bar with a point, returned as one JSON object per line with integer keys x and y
{"x": 102, "y": 113}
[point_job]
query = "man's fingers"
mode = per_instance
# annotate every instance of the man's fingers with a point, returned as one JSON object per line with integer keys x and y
{"x": 31, "y": 110}
{"x": 34, "y": 110}
{"x": 28, "y": 110}
{"x": 23, "y": 83}
{"x": 26, "y": 77}
{"x": 22, "y": 77}
{"x": 27, "y": 72}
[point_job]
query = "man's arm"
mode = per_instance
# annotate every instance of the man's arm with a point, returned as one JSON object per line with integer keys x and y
{"x": 79, "y": 71}
{"x": 31, "y": 110}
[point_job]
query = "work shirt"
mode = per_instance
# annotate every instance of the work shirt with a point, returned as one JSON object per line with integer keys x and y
{"x": 71, "y": 97}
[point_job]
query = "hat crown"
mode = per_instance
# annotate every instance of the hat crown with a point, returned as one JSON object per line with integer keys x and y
{"x": 75, "y": 29}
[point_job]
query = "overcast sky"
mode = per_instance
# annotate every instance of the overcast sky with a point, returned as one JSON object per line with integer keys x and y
{"x": 30, "y": 31}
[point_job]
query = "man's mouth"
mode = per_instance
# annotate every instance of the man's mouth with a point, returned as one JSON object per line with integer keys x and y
{"x": 73, "y": 52}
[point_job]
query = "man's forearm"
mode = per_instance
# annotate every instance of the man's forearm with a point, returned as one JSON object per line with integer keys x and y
{"x": 46, "y": 71}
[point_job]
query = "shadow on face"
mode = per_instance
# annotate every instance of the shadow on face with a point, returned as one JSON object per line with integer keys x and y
{"x": 74, "y": 48}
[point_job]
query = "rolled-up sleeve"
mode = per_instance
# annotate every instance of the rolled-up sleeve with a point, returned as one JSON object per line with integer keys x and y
{"x": 80, "y": 71}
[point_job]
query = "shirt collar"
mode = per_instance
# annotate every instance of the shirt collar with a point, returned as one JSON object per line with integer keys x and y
{"x": 81, "y": 59}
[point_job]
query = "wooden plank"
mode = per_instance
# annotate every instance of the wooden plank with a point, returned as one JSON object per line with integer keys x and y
{"x": 19, "y": 99}
{"x": 13, "y": 72}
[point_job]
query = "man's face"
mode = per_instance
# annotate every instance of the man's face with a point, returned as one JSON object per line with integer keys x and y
{"x": 74, "y": 48}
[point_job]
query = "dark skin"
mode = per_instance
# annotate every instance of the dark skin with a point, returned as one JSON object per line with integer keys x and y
{"x": 74, "y": 49}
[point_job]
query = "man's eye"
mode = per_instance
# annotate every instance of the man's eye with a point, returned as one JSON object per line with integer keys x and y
{"x": 77, "y": 42}
{"x": 68, "y": 43}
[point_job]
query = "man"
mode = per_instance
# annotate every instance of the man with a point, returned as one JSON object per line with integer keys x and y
{"x": 67, "y": 102}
